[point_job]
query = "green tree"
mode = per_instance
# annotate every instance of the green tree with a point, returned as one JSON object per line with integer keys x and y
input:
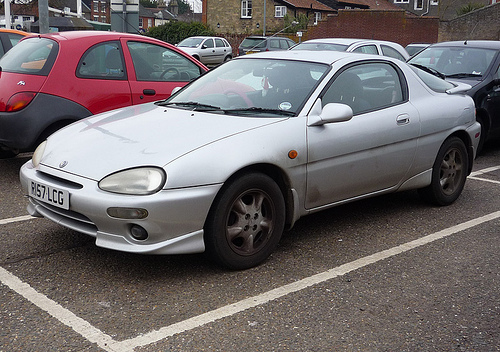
{"x": 182, "y": 5}
{"x": 174, "y": 32}
{"x": 468, "y": 8}
{"x": 149, "y": 3}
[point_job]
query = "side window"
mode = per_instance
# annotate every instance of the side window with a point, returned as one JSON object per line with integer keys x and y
{"x": 14, "y": 38}
{"x": 388, "y": 51}
{"x": 102, "y": 61}
{"x": 365, "y": 87}
{"x": 275, "y": 43}
{"x": 157, "y": 63}
{"x": 209, "y": 43}
{"x": 366, "y": 49}
{"x": 219, "y": 43}
{"x": 284, "y": 44}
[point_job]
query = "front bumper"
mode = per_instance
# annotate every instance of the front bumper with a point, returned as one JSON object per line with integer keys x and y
{"x": 174, "y": 223}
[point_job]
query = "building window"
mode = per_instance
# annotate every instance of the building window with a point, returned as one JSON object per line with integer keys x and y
{"x": 246, "y": 8}
{"x": 140, "y": 23}
{"x": 434, "y": 2}
{"x": 96, "y": 18}
{"x": 279, "y": 11}
{"x": 96, "y": 6}
{"x": 401, "y": 1}
{"x": 419, "y": 4}
{"x": 103, "y": 19}
{"x": 317, "y": 17}
{"x": 103, "y": 7}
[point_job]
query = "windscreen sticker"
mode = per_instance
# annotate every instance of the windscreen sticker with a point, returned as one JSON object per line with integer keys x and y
{"x": 285, "y": 105}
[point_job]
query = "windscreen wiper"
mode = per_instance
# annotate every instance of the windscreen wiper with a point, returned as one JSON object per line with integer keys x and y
{"x": 255, "y": 109}
{"x": 432, "y": 71}
{"x": 463, "y": 75}
{"x": 193, "y": 104}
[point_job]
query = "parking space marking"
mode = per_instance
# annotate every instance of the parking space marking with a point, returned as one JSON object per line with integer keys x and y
{"x": 62, "y": 314}
{"x": 484, "y": 180}
{"x": 104, "y": 341}
{"x": 485, "y": 171}
{"x": 19, "y": 218}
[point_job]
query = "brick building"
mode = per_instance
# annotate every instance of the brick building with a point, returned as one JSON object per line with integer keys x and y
{"x": 247, "y": 16}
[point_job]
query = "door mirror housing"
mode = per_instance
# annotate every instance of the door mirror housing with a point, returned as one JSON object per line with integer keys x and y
{"x": 331, "y": 113}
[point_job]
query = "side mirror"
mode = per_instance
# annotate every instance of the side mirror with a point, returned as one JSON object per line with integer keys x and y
{"x": 332, "y": 112}
{"x": 175, "y": 90}
{"x": 204, "y": 46}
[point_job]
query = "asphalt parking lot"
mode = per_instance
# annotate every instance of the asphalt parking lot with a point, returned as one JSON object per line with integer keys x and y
{"x": 385, "y": 274}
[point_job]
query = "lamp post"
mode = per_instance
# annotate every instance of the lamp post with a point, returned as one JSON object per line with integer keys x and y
{"x": 264, "y": 23}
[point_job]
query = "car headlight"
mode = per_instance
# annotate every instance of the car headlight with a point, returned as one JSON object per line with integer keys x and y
{"x": 138, "y": 181}
{"x": 38, "y": 154}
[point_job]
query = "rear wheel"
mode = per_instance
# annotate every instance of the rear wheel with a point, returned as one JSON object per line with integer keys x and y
{"x": 245, "y": 222}
{"x": 449, "y": 173}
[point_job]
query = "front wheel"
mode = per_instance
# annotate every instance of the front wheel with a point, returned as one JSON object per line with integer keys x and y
{"x": 245, "y": 222}
{"x": 449, "y": 173}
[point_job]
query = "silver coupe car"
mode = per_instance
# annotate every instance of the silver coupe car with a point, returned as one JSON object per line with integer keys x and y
{"x": 233, "y": 159}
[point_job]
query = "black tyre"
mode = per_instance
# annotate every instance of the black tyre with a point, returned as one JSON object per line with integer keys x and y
{"x": 449, "y": 173}
{"x": 245, "y": 222}
{"x": 6, "y": 154}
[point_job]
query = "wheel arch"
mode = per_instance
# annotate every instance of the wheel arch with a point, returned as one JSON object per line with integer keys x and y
{"x": 468, "y": 145}
{"x": 57, "y": 125}
{"x": 277, "y": 175}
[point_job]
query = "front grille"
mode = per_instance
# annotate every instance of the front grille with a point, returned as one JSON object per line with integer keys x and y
{"x": 61, "y": 182}
{"x": 67, "y": 218}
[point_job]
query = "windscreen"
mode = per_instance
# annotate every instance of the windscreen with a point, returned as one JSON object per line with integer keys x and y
{"x": 246, "y": 86}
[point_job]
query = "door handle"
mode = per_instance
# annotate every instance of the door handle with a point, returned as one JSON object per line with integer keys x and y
{"x": 403, "y": 119}
{"x": 149, "y": 92}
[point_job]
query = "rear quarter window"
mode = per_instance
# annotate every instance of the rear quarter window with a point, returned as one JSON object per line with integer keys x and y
{"x": 31, "y": 56}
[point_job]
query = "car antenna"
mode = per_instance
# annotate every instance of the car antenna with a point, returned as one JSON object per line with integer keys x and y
{"x": 291, "y": 24}
{"x": 470, "y": 34}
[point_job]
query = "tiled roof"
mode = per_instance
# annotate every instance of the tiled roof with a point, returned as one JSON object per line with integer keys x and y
{"x": 375, "y": 4}
{"x": 308, "y": 4}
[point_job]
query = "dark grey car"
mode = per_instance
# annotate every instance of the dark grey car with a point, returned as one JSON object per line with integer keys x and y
{"x": 258, "y": 43}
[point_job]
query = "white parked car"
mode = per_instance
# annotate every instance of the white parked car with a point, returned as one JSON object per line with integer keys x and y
{"x": 208, "y": 50}
{"x": 238, "y": 155}
{"x": 366, "y": 46}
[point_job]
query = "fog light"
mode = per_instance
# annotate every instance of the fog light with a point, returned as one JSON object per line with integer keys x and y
{"x": 128, "y": 213}
{"x": 138, "y": 232}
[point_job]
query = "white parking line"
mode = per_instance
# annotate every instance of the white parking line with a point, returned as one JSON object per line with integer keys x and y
{"x": 19, "y": 218}
{"x": 104, "y": 341}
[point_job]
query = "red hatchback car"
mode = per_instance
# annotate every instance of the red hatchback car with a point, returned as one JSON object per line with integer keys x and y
{"x": 48, "y": 81}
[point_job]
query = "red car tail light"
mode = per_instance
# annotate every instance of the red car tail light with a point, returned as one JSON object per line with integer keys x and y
{"x": 19, "y": 101}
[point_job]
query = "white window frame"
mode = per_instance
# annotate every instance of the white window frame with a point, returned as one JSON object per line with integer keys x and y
{"x": 317, "y": 17}
{"x": 435, "y": 2}
{"x": 279, "y": 11}
{"x": 246, "y": 8}
{"x": 417, "y": 7}
{"x": 401, "y": 1}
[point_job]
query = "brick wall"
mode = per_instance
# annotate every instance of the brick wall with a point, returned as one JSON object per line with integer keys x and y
{"x": 480, "y": 24}
{"x": 392, "y": 25}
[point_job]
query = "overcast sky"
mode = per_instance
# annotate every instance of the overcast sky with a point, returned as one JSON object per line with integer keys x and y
{"x": 195, "y": 5}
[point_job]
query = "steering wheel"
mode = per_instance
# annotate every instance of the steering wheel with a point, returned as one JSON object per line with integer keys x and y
{"x": 241, "y": 95}
{"x": 170, "y": 69}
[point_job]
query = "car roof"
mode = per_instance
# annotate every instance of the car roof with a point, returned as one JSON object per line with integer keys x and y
{"x": 5, "y": 30}
{"x": 71, "y": 35}
{"x": 485, "y": 44}
{"x": 347, "y": 41}
{"x": 204, "y": 36}
{"x": 326, "y": 57}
